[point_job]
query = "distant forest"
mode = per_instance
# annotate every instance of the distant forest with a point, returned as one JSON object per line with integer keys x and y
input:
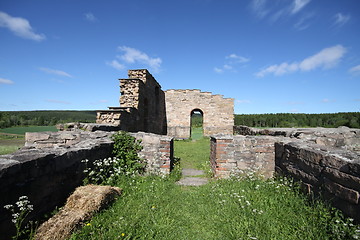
{"x": 51, "y": 118}
{"x": 44, "y": 118}
{"x": 329, "y": 120}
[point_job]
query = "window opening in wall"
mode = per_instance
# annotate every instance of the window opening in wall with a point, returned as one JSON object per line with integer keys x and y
{"x": 196, "y": 128}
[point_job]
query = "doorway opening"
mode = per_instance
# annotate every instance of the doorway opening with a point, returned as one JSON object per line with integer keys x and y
{"x": 196, "y": 124}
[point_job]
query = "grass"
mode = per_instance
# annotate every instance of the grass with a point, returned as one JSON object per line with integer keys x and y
{"x": 10, "y": 143}
{"x": 197, "y": 133}
{"x": 238, "y": 208}
{"x": 193, "y": 154}
{"x": 11, "y": 139}
{"x": 23, "y": 130}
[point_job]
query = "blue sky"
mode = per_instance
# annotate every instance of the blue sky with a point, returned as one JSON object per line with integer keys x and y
{"x": 271, "y": 56}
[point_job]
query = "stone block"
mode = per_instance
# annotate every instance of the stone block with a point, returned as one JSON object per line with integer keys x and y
{"x": 340, "y": 191}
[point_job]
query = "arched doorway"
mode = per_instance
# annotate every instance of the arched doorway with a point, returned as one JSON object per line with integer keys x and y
{"x": 196, "y": 124}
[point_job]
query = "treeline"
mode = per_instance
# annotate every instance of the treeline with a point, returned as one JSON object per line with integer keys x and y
{"x": 329, "y": 120}
{"x": 43, "y": 118}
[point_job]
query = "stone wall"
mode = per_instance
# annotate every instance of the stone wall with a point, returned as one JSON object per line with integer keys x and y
{"x": 218, "y": 112}
{"x": 242, "y": 153}
{"x": 49, "y": 167}
{"x": 341, "y": 137}
{"x": 142, "y": 105}
{"x": 331, "y": 172}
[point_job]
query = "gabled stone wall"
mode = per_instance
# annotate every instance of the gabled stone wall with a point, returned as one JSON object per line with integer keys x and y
{"x": 218, "y": 112}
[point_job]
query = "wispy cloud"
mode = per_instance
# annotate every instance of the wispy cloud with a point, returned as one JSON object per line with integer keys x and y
{"x": 20, "y": 27}
{"x": 90, "y": 17}
{"x": 231, "y": 62}
{"x": 57, "y": 101}
{"x": 304, "y": 21}
{"x": 55, "y": 72}
{"x": 355, "y": 70}
{"x": 326, "y": 58}
{"x": 340, "y": 19}
{"x": 134, "y": 56}
{"x": 259, "y": 8}
{"x": 115, "y": 64}
{"x": 6, "y": 81}
{"x": 297, "y": 5}
{"x": 274, "y": 10}
{"x": 327, "y": 100}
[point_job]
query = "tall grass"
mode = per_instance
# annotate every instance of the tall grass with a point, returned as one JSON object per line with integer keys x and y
{"x": 243, "y": 207}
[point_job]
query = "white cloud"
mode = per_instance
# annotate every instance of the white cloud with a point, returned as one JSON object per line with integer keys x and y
{"x": 132, "y": 55}
{"x": 55, "y": 72}
{"x": 237, "y": 58}
{"x": 115, "y": 64}
{"x": 218, "y": 70}
{"x": 230, "y": 63}
{"x": 326, "y": 58}
{"x": 90, "y": 17}
{"x": 5, "y": 81}
{"x": 355, "y": 70}
{"x": 57, "y": 101}
{"x": 298, "y": 5}
{"x": 341, "y": 19}
{"x": 19, "y": 26}
{"x": 275, "y": 10}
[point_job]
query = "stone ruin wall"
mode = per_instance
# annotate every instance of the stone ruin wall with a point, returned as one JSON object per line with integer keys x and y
{"x": 142, "y": 105}
{"x": 49, "y": 167}
{"x": 325, "y": 161}
{"x": 218, "y": 112}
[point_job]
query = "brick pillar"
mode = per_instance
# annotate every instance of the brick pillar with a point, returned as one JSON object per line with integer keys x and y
{"x": 166, "y": 154}
{"x": 222, "y": 155}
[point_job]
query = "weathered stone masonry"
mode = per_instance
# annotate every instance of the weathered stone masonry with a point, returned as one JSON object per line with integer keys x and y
{"x": 49, "y": 168}
{"x": 145, "y": 107}
{"x": 326, "y": 161}
{"x": 218, "y": 112}
{"x": 142, "y": 105}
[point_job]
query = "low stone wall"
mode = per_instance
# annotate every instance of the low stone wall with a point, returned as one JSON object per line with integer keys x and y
{"x": 341, "y": 137}
{"x": 230, "y": 153}
{"x": 158, "y": 150}
{"x": 49, "y": 167}
{"x": 333, "y": 173}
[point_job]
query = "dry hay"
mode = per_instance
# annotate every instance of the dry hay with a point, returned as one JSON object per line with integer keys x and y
{"x": 79, "y": 208}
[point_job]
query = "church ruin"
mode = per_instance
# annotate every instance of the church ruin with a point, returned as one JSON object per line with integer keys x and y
{"x": 145, "y": 107}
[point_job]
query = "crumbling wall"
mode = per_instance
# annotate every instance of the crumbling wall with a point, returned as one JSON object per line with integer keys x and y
{"x": 332, "y": 173}
{"x": 341, "y": 137}
{"x": 325, "y": 161}
{"x": 49, "y": 168}
{"x": 142, "y": 105}
{"x": 218, "y": 112}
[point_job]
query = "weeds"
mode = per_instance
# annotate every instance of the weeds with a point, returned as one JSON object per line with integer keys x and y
{"x": 20, "y": 211}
